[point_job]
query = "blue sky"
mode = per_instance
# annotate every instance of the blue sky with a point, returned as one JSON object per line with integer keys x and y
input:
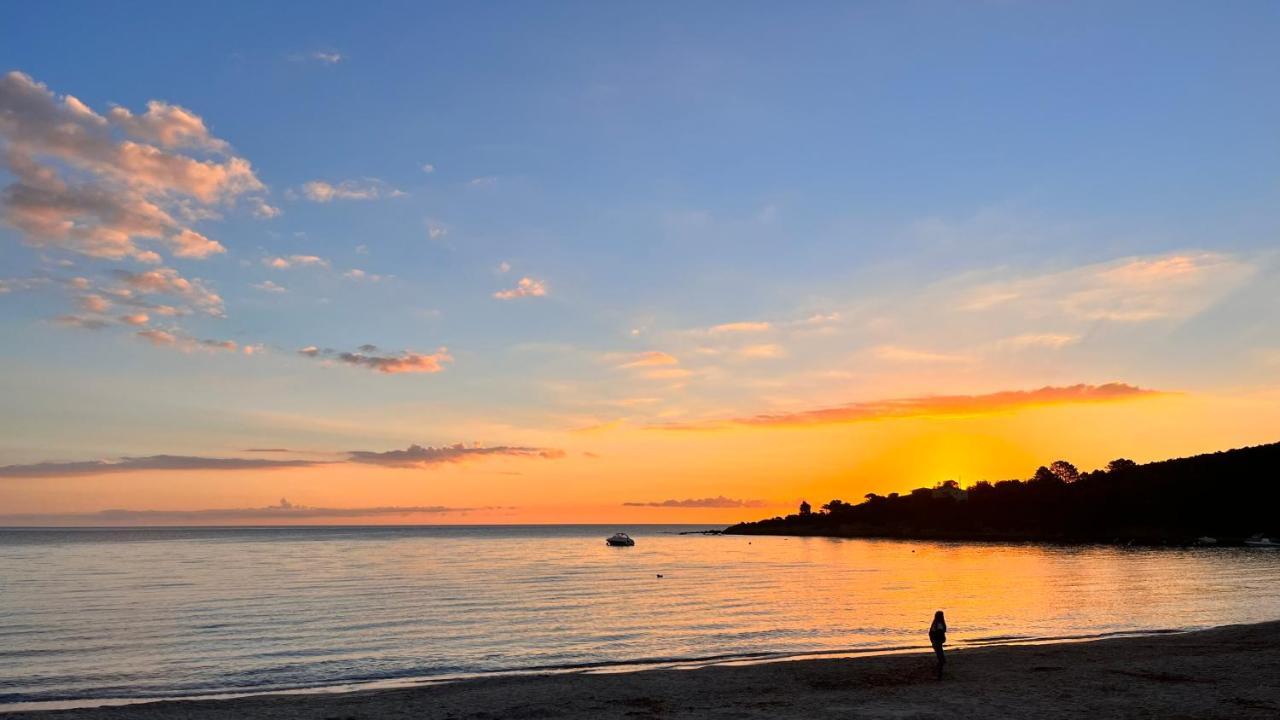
{"x": 850, "y": 174}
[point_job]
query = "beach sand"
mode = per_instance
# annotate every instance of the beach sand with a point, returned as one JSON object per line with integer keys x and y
{"x": 1229, "y": 672}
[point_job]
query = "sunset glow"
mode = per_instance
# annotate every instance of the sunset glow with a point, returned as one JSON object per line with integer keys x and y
{"x": 621, "y": 270}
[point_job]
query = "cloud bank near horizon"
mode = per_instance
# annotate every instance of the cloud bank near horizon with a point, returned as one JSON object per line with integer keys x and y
{"x": 415, "y": 456}
{"x": 273, "y": 514}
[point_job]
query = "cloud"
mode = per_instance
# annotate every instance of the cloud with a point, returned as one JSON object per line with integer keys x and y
{"x": 435, "y": 230}
{"x": 651, "y": 358}
{"x": 711, "y": 502}
{"x": 758, "y": 352}
{"x": 938, "y": 406}
{"x": 84, "y": 323}
{"x": 147, "y": 463}
{"x": 1131, "y": 290}
{"x": 504, "y": 267}
{"x": 99, "y": 185}
{"x": 135, "y": 319}
{"x": 1040, "y": 340}
{"x": 186, "y": 343}
{"x": 894, "y": 353}
{"x": 358, "y": 274}
{"x": 738, "y": 327}
{"x": 364, "y": 189}
{"x": 406, "y": 362}
{"x": 487, "y": 181}
{"x": 527, "y": 287}
{"x": 158, "y": 338}
{"x": 93, "y": 304}
{"x": 169, "y": 126}
{"x": 268, "y": 286}
{"x": 428, "y": 168}
{"x": 270, "y": 515}
{"x": 167, "y": 281}
{"x": 417, "y": 456}
{"x": 328, "y": 58}
{"x": 284, "y": 263}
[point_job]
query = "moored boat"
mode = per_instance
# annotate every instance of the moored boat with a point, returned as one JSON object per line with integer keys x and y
{"x": 1261, "y": 542}
{"x": 621, "y": 540}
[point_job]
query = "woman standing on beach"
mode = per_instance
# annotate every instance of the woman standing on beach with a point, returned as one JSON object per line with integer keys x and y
{"x": 938, "y": 638}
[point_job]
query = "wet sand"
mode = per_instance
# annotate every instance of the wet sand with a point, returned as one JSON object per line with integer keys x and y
{"x": 1229, "y": 672}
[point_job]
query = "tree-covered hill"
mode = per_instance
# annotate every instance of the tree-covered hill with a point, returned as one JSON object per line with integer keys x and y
{"x": 1229, "y": 495}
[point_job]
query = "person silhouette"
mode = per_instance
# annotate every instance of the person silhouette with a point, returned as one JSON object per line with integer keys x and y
{"x": 938, "y": 638}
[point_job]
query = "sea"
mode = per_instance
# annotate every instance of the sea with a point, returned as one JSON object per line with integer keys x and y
{"x": 95, "y": 616}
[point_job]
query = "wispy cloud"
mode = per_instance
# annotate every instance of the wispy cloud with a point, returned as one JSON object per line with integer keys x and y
{"x": 652, "y": 358}
{"x": 895, "y": 353}
{"x": 406, "y": 361}
{"x": 285, "y": 512}
{"x": 144, "y": 464}
{"x": 417, "y": 456}
{"x": 1131, "y": 290}
{"x": 363, "y": 189}
{"x": 284, "y": 263}
{"x": 268, "y": 286}
{"x": 711, "y": 502}
{"x": 936, "y": 406}
{"x": 526, "y": 287}
{"x": 738, "y": 327}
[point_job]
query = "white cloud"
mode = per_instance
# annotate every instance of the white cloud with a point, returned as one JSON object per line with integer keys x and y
{"x": 364, "y": 189}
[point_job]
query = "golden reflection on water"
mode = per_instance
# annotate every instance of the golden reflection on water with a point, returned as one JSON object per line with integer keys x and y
{"x": 181, "y": 612}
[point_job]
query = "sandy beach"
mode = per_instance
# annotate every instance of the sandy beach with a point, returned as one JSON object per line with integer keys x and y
{"x": 1229, "y": 672}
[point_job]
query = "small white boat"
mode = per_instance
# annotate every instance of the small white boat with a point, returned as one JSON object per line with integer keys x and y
{"x": 1259, "y": 541}
{"x": 1206, "y": 540}
{"x": 621, "y": 540}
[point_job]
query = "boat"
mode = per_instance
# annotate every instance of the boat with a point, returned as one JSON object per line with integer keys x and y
{"x": 621, "y": 540}
{"x": 1259, "y": 541}
{"x": 1206, "y": 540}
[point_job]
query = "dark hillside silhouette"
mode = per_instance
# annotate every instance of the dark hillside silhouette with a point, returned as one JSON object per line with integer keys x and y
{"x": 1227, "y": 496}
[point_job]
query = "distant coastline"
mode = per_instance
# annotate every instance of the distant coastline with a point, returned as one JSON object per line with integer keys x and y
{"x": 1223, "y": 498}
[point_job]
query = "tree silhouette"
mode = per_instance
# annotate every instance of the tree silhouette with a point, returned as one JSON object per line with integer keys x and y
{"x": 1173, "y": 501}
{"x": 1065, "y": 471}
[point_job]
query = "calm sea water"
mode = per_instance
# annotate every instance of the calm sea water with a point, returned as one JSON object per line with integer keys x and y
{"x": 133, "y": 613}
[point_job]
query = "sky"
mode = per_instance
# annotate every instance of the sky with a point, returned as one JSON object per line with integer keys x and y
{"x": 622, "y": 263}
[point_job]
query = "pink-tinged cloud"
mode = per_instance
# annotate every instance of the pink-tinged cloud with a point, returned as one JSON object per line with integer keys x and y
{"x": 93, "y": 304}
{"x": 191, "y": 244}
{"x": 652, "y": 358}
{"x": 169, "y": 126}
{"x": 136, "y": 319}
{"x": 711, "y": 502}
{"x": 366, "y": 356}
{"x": 936, "y": 406}
{"x": 81, "y": 187}
{"x": 167, "y": 281}
{"x": 418, "y": 456}
{"x": 526, "y": 287}
{"x": 158, "y": 338}
{"x": 738, "y": 327}
{"x": 283, "y": 263}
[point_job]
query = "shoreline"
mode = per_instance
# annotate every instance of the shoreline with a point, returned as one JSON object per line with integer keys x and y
{"x": 1226, "y": 671}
